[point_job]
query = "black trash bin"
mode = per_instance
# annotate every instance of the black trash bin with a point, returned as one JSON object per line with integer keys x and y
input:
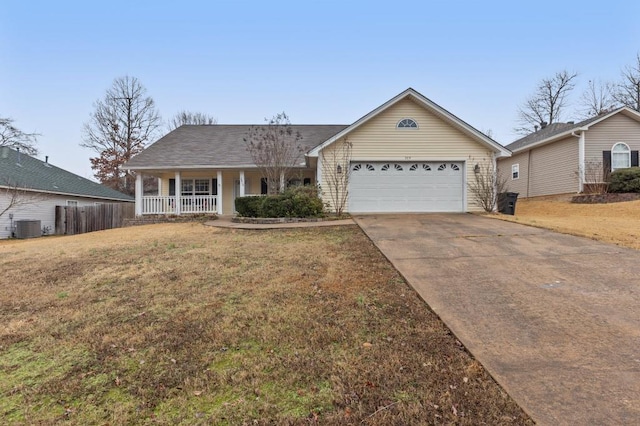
{"x": 507, "y": 202}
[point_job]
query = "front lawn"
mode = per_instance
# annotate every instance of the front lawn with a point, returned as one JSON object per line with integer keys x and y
{"x": 187, "y": 324}
{"x": 617, "y": 223}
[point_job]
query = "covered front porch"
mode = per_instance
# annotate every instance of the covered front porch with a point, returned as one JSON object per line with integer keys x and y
{"x": 202, "y": 191}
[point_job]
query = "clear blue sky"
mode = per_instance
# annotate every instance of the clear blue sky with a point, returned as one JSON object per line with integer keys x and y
{"x": 320, "y": 61}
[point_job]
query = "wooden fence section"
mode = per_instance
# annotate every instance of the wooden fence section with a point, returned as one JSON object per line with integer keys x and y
{"x": 79, "y": 220}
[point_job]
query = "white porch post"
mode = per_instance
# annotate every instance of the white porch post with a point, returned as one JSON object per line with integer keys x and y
{"x": 242, "y": 191}
{"x": 581, "y": 162}
{"x": 319, "y": 171}
{"x": 139, "y": 192}
{"x": 281, "y": 182}
{"x": 219, "y": 196}
{"x": 159, "y": 186}
{"x": 178, "y": 193}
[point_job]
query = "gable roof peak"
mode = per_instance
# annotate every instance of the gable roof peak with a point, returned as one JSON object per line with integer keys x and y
{"x": 428, "y": 104}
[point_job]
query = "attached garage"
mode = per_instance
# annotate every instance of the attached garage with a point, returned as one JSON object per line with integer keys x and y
{"x": 408, "y": 155}
{"x": 434, "y": 186}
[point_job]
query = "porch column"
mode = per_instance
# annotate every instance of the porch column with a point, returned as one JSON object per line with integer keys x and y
{"x": 242, "y": 191}
{"x": 581, "y": 162}
{"x": 219, "y": 196}
{"x": 139, "y": 192}
{"x": 178, "y": 193}
{"x": 319, "y": 171}
{"x": 159, "y": 186}
{"x": 281, "y": 182}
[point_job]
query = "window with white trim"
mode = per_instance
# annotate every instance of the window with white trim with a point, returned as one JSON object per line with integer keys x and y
{"x": 72, "y": 203}
{"x": 195, "y": 187}
{"x": 620, "y": 156}
{"x": 407, "y": 123}
{"x": 515, "y": 171}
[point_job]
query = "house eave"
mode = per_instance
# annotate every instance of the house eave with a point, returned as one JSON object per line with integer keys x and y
{"x": 68, "y": 194}
{"x": 552, "y": 139}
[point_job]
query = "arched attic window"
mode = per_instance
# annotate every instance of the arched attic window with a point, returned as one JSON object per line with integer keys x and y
{"x": 407, "y": 123}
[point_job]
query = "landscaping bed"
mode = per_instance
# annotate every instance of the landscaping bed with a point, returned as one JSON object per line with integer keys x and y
{"x": 604, "y": 198}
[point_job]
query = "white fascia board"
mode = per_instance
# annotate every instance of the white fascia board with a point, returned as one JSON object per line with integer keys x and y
{"x": 67, "y": 194}
{"x": 208, "y": 166}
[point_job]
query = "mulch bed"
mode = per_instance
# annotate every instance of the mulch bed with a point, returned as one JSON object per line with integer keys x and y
{"x": 604, "y": 198}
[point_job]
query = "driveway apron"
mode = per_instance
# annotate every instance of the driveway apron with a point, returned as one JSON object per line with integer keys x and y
{"x": 554, "y": 318}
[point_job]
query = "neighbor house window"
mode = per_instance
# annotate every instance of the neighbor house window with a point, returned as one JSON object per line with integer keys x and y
{"x": 515, "y": 171}
{"x": 620, "y": 156}
{"x": 407, "y": 123}
{"x": 72, "y": 203}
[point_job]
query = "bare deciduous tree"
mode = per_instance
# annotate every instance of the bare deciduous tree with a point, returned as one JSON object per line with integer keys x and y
{"x": 14, "y": 196}
{"x": 595, "y": 178}
{"x": 188, "y": 117}
{"x": 336, "y": 172}
{"x": 275, "y": 148}
{"x": 546, "y": 104}
{"x": 487, "y": 185}
{"x": 123, "y": 123}
{"x": 597, "y": 99}
{"x": 13, "y": 137}
{"x": 628, "y": 90}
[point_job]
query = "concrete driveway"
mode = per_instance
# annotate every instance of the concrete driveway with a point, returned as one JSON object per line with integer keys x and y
{"x": 554, "y": 318}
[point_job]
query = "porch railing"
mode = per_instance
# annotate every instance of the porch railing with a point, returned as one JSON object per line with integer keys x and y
{"x": 188, "y": 204}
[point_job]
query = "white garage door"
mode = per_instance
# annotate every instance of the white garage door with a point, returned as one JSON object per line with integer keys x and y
{"x": 406, "y": 187}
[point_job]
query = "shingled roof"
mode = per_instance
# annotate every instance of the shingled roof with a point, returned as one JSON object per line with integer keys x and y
{"x": 216, "y": 145}
{"x": 555, "y": 129}
{"x": 25, "y": 172}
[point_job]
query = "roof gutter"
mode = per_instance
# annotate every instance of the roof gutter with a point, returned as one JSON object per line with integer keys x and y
{"x": 551, "y": 139}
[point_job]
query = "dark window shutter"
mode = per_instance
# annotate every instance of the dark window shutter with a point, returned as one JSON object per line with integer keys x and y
{"x": 606, "y": 162}
{"x": 214, "y": 186}
{"x": 263, "y": 186}
{"x": 172, "y": 187}
{"x": 634, "y": 158}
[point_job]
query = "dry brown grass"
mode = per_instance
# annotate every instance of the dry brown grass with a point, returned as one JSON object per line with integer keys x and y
{"x": 186, "y": 324}
{"x": 617, "y": 223}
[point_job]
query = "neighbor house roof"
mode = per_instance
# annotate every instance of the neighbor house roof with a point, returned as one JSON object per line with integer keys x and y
{"x": 557, "y": 131}
{"x": 431, "y": 106}
{"x": 215, "y": 146}
{"x": 25, "y": 172}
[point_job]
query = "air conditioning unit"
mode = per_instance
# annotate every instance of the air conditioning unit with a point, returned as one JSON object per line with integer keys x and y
{"x": 28, "y": 229}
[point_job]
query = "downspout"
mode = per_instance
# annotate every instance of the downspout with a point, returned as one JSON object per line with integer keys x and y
{"x": 494, "y": 161}
{"x": 528, "y": 171}
{"x": 581, "y": 158}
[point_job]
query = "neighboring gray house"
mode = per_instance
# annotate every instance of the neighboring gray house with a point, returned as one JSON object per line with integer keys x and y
{"x": 36, "y": 187}
{"x": 562, "y": 157}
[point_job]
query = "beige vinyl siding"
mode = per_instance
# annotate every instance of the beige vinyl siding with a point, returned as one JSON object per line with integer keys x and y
{"x": 434, "y": 139}
{"x": 602, "y": 136}
{"x": 554, "y": 168}
{"x": 519, "y": 185}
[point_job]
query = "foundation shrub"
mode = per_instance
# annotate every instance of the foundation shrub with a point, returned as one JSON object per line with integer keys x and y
{"x": 294, "y": 202}
{"x": 625, "y": 180}
{"x": 249, "y": 206}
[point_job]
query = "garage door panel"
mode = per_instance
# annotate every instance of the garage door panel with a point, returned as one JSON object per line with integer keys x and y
{"x": 406, "y": 187}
